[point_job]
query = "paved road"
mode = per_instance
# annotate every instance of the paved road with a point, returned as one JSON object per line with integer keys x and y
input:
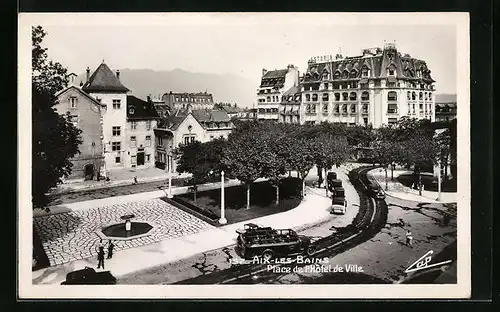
{"x": 385, "y": 257}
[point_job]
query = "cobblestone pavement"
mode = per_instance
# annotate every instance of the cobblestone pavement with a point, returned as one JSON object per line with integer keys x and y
{"x": 71, "y": 236}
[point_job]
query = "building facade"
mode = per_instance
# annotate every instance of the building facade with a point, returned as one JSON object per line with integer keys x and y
{"x": 142, "y": 118}
{"x": 289, "y": 108}
{"x": 273, "y": 84}
{"x": 85, "y": 113}
{"x": 378, "y": 87}
{"x": 117, "y": 128}
{"x": 446, "y": 107}
{"x": 186, "y": 126}
{"x": 175, "y": 101}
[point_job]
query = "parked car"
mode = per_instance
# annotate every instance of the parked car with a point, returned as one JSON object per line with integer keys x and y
{"x": 268, "y": 243}
{"x": 338, "y": 192}
{"x": 339, "y": 205}
{"x": 332, "y": 184}
{"x": 88, "y": 276}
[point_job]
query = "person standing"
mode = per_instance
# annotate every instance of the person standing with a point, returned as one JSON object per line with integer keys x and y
{"x": 111, "y": 246}
{"x": 100, "y": 257}
{"x": 409, "y": 238}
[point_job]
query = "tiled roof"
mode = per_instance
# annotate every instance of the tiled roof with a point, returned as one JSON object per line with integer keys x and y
{"x": 104, "y": 80}
{"x": 139, "y": 109}
{"x": 275, "y": 74}
{"x": 95, "y": 101}
{"x": 405, "y": 66}
{"x": 205, "y": 115}
{"x": 232, "y": 109}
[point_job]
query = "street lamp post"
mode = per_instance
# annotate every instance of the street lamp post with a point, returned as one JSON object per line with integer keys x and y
{"x": 169, "y": 176}
{"x": 439, "y": 181}
{"x": 222, "y": 219}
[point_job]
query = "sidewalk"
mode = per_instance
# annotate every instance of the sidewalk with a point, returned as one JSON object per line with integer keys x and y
{"x": 108, "y": 201}
{"x": 117, "y": 178}
{"x": 398, "y": 190}
{"x": 314, "y": 209}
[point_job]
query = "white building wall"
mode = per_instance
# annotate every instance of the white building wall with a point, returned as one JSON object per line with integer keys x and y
{"x": 140, "y": 132}
{"x": 113, "y": 117}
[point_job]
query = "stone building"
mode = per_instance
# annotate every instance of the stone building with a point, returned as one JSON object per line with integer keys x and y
{"x": 105, "y": 87}
{"x": 186, "y": 126}
{"x": 117, "y": 128}
{"x": 141, "y": 120}
{"x": 85, "y": 113}
{"x": 378, "y": 87}
{"x": 171, "y": 102}
{"x": 272, "y": 86}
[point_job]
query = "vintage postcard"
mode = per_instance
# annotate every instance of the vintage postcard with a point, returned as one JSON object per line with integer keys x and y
{"x": 244, "y": 155}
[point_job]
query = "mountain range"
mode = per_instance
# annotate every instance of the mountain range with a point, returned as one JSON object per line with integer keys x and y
{"x": 227, "y": 88}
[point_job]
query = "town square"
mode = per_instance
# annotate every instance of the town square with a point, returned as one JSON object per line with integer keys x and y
{"x": 211, "y": 163}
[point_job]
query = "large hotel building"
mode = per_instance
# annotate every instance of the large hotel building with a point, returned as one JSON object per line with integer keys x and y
{"x": 378, "y": 87}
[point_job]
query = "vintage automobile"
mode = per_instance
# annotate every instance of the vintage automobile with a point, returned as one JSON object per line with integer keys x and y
{"x": 88, "y": 276}
{"x": 339, "y": 205}
{"x": 380, "y": 194}
{"x": 268, "y": 243}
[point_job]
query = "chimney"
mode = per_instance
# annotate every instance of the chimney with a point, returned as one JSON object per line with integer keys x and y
{"x": 264, "y": 71}
{"x": 149, "y": 98}
{"x": 118, "y": 74}
{"x": 88, "y": 74}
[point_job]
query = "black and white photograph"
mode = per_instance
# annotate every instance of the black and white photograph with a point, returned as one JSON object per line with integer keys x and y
{"x": 240, "y": 155}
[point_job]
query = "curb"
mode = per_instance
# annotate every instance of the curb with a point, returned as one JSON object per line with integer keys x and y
{"x": 400, "y": 198}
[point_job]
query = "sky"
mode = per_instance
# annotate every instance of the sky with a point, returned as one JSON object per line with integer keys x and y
{"x": 244, "y": 44}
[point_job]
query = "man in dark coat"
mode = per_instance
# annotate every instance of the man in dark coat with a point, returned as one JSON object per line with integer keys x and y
{"x": 100, "y": 257}
{"x": 111, "y": 246}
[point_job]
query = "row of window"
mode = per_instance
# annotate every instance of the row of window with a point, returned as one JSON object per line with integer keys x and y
{"x": 268, "y": 110}
{"x": 117, "y": 130}
{"x": 147, "y": 159}
{"x": 311, "y": 109}
{"x": 186, "y": 99}
{"x": 365, "y": 96}
{"x": 412, "y": 96}
{"x": 133, "y": 141}
{"x": 73, "y": 102}
{"x": 117, "y": 145}
{"x": 427, "y": 109}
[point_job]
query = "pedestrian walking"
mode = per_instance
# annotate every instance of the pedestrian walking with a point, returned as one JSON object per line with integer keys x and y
{"x": 409, "y": 239}
{"x": 100, "y": 257}
{"x": 135, "y": 180}
{"x": 100, "y": 244}
{"x": 111, "y": 246}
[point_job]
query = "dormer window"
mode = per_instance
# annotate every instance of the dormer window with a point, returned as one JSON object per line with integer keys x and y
{"x": 390, "y": 72}
{"x": 337, "y": 75}
{"x": 365, "y": 72}
{"x": 325, "y": 76}
{"x": 131, "y": 110}
{"x": 345, "y": 75}
{"x": 354, "y": 73}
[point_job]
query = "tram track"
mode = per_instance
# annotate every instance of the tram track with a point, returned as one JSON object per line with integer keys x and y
{"x": 370, "y": 219}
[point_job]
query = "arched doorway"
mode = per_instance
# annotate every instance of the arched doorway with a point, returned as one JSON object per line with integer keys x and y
{"x": 89, "y": 171}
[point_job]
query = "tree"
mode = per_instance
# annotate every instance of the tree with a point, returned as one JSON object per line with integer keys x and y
{"x": 330, "y": 150}
{"x": 188, "y": 157}
{"x": 243, "y": 159}
{"x": 302, "y": 157}
{"x": 55, "y": 139}
{"x": 419, "y": 151}
{"x": 202, "y": 160}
